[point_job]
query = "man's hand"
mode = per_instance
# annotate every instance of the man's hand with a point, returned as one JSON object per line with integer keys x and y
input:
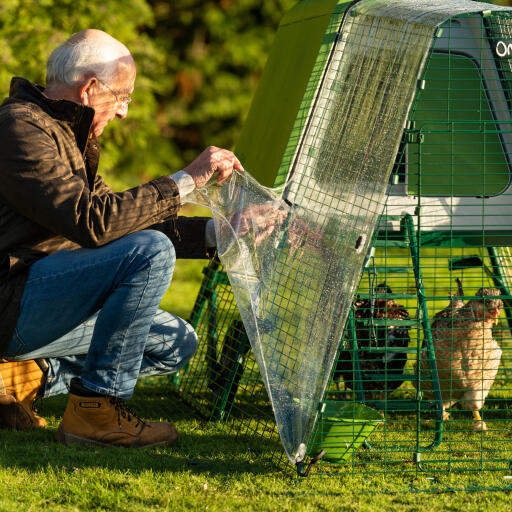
{"x": 263, "y": 219}
{"x": 260, "y": 219}
{"x": 210, "y": 161}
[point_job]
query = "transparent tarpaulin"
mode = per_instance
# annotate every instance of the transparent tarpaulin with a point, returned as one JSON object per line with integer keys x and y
{"x": 294, "y": 255}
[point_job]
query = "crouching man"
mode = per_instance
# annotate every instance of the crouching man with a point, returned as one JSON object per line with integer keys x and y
{"x": 82, "y": 268}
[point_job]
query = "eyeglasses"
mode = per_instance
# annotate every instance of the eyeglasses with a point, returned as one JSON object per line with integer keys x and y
{"x": 124, "y": 100}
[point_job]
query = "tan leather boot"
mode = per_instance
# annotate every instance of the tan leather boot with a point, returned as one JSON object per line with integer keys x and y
{"x": 20, "y": 383}
{"x": 106, "y": 421}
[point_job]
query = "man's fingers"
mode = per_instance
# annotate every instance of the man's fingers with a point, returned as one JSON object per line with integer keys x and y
{"x": 224, "y": 174}
{"x": 226, "y": 164}
{"x": 237, "y": 165}
{"x": 211, "y": 160}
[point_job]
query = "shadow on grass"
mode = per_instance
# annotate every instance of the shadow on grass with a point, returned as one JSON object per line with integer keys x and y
{"x": 218, "y": 455}
{"x": 202, "y": 447}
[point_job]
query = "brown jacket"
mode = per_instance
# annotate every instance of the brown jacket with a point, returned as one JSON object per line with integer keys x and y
{"x": 52, "y": 198}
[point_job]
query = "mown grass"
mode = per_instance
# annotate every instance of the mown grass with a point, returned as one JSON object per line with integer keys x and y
{"x": 207, "y": 470}
{"x": 211, "y": 469}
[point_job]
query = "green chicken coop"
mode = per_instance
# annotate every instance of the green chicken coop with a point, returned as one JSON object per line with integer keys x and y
{"x": 421, "y": 381}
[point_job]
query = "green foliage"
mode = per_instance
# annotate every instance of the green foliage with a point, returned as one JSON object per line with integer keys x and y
{"x": 198, "y": 64}
{"x": 215, "y": 53}
{"x": 32, "y": 29}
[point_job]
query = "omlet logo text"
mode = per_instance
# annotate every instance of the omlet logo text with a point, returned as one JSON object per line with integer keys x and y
{"x": 503, "y": 48}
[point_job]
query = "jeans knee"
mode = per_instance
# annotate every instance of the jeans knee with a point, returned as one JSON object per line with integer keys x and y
{"x": 171, "y": 344}
{"x": 187, "y": 348}
{"x": 156, "y": 246}
{"x": 173, "y": 358}
{"x": 191, "y": 343}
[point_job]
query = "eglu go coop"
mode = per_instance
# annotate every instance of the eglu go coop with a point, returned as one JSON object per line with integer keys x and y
{"x": 412, "y": 101}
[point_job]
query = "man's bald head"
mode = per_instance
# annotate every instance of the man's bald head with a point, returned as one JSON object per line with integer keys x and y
{"x": 86, "y": 54}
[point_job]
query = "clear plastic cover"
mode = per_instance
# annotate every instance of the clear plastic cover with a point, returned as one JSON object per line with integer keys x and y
{"x": 294, "y": 255}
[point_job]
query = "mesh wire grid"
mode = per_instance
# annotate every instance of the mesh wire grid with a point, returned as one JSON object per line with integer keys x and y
{"x": 443, "y": 236}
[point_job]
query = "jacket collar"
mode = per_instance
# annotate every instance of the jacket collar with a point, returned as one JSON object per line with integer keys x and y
{"x": 78, "y": 116}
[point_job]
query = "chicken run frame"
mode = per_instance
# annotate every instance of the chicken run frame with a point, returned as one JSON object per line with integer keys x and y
{"x": 429, "y": 333}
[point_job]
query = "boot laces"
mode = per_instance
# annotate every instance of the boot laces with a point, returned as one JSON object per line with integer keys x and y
{"x": 123, "y": 411}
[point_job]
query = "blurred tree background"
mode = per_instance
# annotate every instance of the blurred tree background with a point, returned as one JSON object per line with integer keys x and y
{"x": 198, "y": 63}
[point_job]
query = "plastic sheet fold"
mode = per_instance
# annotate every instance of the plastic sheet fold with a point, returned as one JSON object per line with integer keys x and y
{"x": 294, "y": 255}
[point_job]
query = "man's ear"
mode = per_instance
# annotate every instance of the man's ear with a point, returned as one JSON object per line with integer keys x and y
{"x": 86, "y": 90}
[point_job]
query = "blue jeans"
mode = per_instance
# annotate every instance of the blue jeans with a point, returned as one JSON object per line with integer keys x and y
{"x": 94, "y": 313}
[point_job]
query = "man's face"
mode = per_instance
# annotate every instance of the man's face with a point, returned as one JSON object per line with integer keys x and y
{"x": 111, "y": 100}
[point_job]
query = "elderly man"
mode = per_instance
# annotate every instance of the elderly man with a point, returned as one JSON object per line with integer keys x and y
{"x": 82, "y": 268}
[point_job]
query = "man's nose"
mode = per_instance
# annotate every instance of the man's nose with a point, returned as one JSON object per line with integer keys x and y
{"x": 122, "y": 111}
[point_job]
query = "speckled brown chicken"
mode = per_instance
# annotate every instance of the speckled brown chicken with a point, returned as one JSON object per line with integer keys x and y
{"x": 380, "y": 363}
{"x": 467, "y": 355}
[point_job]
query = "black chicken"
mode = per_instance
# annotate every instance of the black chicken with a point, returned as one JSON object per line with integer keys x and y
{"x": 380, "y": 370}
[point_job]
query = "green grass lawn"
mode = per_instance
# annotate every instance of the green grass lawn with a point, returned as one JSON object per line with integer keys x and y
{"x": 211, "y": 469}
{"x": 206, "y": 470}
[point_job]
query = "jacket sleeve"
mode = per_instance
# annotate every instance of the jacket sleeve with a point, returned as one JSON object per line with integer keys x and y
{"x": 187, "y": 234}
{"x": 100, "y": 187}
{"x": 36, "y": 183}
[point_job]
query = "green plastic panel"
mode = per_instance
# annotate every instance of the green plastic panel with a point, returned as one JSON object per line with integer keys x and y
{"x": 331, "y": 33}
{"x": 273, "y": 112}
{"x": 457, "y": 150}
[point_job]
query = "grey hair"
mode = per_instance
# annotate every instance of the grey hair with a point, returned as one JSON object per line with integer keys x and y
{"x": 74, "y": 61}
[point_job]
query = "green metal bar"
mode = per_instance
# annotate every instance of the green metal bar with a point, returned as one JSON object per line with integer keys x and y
{"x": 358, "y": 381}
{"x": 427, "y": 333}
{"x": 208, "y": 283}
{"x": 212, "y": 340}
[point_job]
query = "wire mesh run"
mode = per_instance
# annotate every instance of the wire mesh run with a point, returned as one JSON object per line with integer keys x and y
{"x": 421, "y": 384}
{"x": 222, "y": 382}
{"x": 385, "y": 365}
